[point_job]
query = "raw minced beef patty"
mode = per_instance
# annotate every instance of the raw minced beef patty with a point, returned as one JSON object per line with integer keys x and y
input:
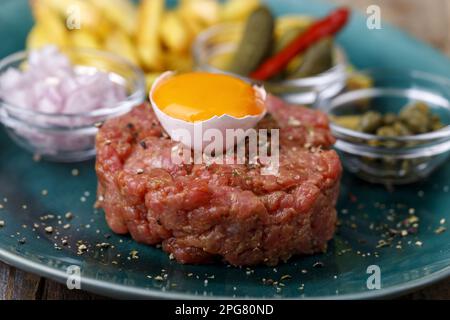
{"x": 201, "y": 213}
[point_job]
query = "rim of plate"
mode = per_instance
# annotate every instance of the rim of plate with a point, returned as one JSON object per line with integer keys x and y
{"x": 128, "y": 292}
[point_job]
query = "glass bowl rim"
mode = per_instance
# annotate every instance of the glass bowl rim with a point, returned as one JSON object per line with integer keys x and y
{"x": 138, "y": 93}
{"x": 443, "y": 133}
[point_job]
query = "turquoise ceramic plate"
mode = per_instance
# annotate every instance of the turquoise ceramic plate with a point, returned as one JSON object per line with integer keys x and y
{"x": 41, "y": 193}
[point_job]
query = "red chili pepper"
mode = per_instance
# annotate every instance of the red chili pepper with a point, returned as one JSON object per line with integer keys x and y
{"x": 322, "y": 28}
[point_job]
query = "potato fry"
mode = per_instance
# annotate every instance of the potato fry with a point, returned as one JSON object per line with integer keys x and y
{"x": 49, "y": 26}
{"x": 286, "y": 23}
{"x": 90, "y": 18}
{"x": 122, "y": 13}
{"x": 178, "y": 62}
{"x": 120, "y": 43}
{"x": 192, "y": 25}
{"x": 37, "y": 37}
{"x": 147, "y": 37}
{"x": 83, "y": 39}
{"x": 204, "y": 11}
{"x": 173, "y": 33}
{"x": 238, "y": 10}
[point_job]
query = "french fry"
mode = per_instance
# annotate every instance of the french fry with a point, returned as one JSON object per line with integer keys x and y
{"x": 194, "y": 26}
{"x": 122, "y": 13}
{"x": 238, "y": 10}
{"x": 88, "y": 16}
{"x": 286, "y": 23}
{"x": 120, "y": 43}
{"x": 37, "y": 37}
{"x": 204, "y": 11}
{"x": 84, "y": 39}
{"x": 178, "y": 62}
{"x": 173, "y": 33}
{"x": 147, "y": 36}
{"x": 49, "y": 26}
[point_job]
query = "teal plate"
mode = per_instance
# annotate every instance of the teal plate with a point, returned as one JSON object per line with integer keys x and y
{"x": 38, "y": 194}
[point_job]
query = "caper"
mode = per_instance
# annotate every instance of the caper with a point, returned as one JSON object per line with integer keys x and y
{"x": 370, "y": 122}
{"x": 436, "y": 123}
{"x": 416, "y": 117}
{"x": 421, "y": 107}
{"x": 417, "y": 122}
{"x": 386, "y": 131}
{"x": 401, "y": 129}
{"x": 389, "y": 118}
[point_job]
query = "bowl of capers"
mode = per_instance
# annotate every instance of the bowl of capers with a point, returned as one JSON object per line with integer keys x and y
{"x": 395, "y": 131}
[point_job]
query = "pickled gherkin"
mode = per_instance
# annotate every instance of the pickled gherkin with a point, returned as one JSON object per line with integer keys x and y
{"x": 256, "y": 43}
{"x": 317, "y": 59}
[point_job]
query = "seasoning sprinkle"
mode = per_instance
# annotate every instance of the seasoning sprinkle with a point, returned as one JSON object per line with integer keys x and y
{"x": 49, "y": 229}
{"x": 440, "y": 230}
{"x": 36, "y": 157}
{"x": 143, "y": 145}
{"x": 318, "y": 264}
{"x": 69, "y": 215}
{"x": 82, "y": 248}
{"x": 2, "y": 223}
{"x": 103, "y": 245}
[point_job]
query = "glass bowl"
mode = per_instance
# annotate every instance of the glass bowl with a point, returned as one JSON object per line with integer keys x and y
{"x": 392, "y": 160}
{"x": 70, "y": 137}
{"x": 223, "y": 39}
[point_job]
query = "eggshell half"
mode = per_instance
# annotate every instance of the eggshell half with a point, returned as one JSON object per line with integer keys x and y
{"x": 192, "y": 133}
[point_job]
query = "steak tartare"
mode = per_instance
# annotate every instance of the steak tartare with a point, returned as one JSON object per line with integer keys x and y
{"x": 201, "y": 213}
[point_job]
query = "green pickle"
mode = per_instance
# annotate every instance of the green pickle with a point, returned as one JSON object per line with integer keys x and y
{"x": 256, "y": 43}
{"x": 317, "y": 59}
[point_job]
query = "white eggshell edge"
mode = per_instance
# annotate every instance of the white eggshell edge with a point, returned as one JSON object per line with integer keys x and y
{"x": 221, "y": 123}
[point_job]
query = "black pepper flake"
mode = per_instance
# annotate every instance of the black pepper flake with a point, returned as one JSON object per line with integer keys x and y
{"x": 103, "y": 245}
{"x": 318, "y": 264}
{"x": 440, "y": 230}
{"x": 143, "y": 145}
{"x": 130, "y": 126}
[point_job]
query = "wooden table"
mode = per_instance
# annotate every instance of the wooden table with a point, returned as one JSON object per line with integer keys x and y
{"x": 429, "y": 22}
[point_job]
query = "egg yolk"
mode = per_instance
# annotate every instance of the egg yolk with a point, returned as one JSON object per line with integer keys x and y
{"x": 200, "y": 96}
